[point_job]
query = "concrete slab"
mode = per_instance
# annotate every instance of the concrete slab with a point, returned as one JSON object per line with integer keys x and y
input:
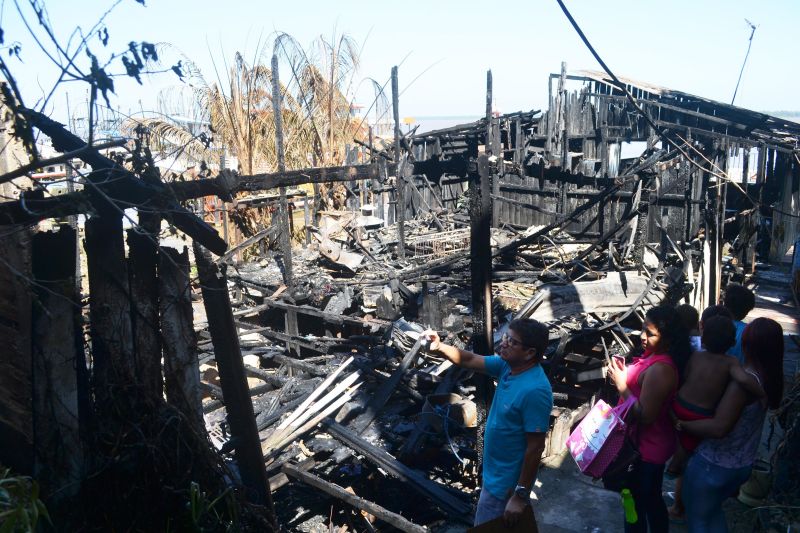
{"x": 568, "y": 501}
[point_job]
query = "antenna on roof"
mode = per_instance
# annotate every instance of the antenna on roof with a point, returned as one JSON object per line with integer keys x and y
{"x": 749, "y": 44}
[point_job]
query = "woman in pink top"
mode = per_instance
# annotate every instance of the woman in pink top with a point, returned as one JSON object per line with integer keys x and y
{"x": 653, "y": 379}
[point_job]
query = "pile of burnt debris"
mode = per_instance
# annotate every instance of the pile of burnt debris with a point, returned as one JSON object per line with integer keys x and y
{"x": 349, "y": 403}
{"x": 322, "y": 376}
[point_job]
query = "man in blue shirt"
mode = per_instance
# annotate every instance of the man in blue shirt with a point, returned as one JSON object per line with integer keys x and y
{"x": 518, "y": 420}
{"x": 739, "y": 300}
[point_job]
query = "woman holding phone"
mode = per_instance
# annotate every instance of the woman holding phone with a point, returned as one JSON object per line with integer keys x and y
{"x": 653, "y": 380}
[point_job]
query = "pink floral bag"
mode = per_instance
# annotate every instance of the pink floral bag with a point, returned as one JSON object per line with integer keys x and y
{"x": 600, "y": 436}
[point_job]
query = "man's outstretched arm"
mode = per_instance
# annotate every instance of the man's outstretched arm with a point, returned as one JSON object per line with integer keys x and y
{"x": 457, "y": 356}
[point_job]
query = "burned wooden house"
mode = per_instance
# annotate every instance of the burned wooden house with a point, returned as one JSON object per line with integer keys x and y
{"x": 304, "y": 363}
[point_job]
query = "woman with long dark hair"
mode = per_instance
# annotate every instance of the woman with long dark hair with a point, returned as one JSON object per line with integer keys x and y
{"x": 723, "y": 461}
{"x": 653, "y": 380}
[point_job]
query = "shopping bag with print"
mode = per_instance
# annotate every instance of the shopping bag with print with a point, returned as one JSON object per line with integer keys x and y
{"x": 599, "y": 437}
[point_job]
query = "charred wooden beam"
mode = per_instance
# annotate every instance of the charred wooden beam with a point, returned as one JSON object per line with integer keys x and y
{"x": 263, "y": 234}
{"x": 293, "y": 178}
{"x": 109, "y": 309}
{"x": 233, "y": 380}
{"x": 480, "y": 251}
{"x": 298, "y": 364}
{"x": 400, "y": 183}
{"x": 383, "y": 393}
{"x": 142, "y": 263}
{"x": 283, "y": 211}
{"x": 331, "y": 318}
{"x": 181, "y": 369}
{"x": 60, "y": 391}
{"x": 34, "y": 207}
{"x": 454, "y": 506}
{"x": 280, "y": 479}
{"x": 336, "y": 491}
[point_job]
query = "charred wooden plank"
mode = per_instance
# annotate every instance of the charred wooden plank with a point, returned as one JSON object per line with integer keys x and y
{"x": 181, "y": 370}
{"x": 293, "y": 178}
{"x": 280, "y": 479}
{"x": 60, "y": 392}
{"x": 480, "y": 249}
{"x": 232, "y": 378}
{"x": 142, "y": 261}
{"x": 331, "y": 318}
{"x": 336, "y": 491}
{"x": 457, "y": 508}
{"x": 109, "y": 308}
{"x": 400, "y": 184}
{"x": 383, "y": 393}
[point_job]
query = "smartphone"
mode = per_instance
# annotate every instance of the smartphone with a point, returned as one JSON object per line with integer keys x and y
{"x": 618, "y": 359}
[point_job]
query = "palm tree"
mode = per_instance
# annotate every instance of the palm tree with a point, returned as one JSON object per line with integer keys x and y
{"x": 237, "y": 109}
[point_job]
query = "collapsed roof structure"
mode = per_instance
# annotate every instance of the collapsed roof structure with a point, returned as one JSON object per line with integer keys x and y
{"x": 310, "y": 354}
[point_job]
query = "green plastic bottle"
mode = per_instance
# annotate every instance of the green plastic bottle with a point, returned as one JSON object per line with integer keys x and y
{"x": 630, "y": 508}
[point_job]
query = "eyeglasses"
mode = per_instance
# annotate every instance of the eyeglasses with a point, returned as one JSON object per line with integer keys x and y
{"x": 511, "y": 341}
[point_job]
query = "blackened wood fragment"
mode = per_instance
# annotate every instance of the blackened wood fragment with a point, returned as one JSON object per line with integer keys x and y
{"x": 456, "y": 507}
{"x": 480, "y": 256}
{"x": 386, "y": 389}
{"x": 181, "y": 369}
{"x": 336, "y": 491}
{"x": 60, "y": 395}
{"x": 109, "y": 309}
{"x": 400, "y": 183}
{"x": 233, "y": 380}
{"x": 142, "y": 263}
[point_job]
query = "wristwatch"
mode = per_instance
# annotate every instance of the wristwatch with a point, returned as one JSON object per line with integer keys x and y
{"x": 523, "y": 492}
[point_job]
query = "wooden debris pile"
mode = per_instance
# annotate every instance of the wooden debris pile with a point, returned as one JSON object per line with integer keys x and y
{"x": 350, "y": 391}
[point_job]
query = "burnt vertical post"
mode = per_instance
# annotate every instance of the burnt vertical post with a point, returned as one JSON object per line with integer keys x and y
{"x": 400, "y": 182}
{"x": 284, "y": 234}
{"x": 564, "y": 130}
{"x": 722, "y": 198}
{"x": 714, "y": 267}
{"x": 16, "y": 379}
{"x": 602, "y": 123}
{"x": 377, "y": 183}
{"x": 181, "y": 368}
{"x": 142, "y": 261}
{"x": 60, "y": 395}
{"x": 480, "y": 210}
{"x": 317, "y": 194}
{"x": 710, "y": 243}
{"x": 306, "y": 220}
{"x": 761, "y": 173}
{"x": 283, "y": 211}
{"x": 109, "y": 309}
{"x": 490, "y": 147}
{"x": 228, "y": 355}
{"x": 741, "y": 255}
{"x": 686, "y": 178}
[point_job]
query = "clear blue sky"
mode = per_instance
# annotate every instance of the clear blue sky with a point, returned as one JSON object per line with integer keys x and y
{"x": 695, "y": 46}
